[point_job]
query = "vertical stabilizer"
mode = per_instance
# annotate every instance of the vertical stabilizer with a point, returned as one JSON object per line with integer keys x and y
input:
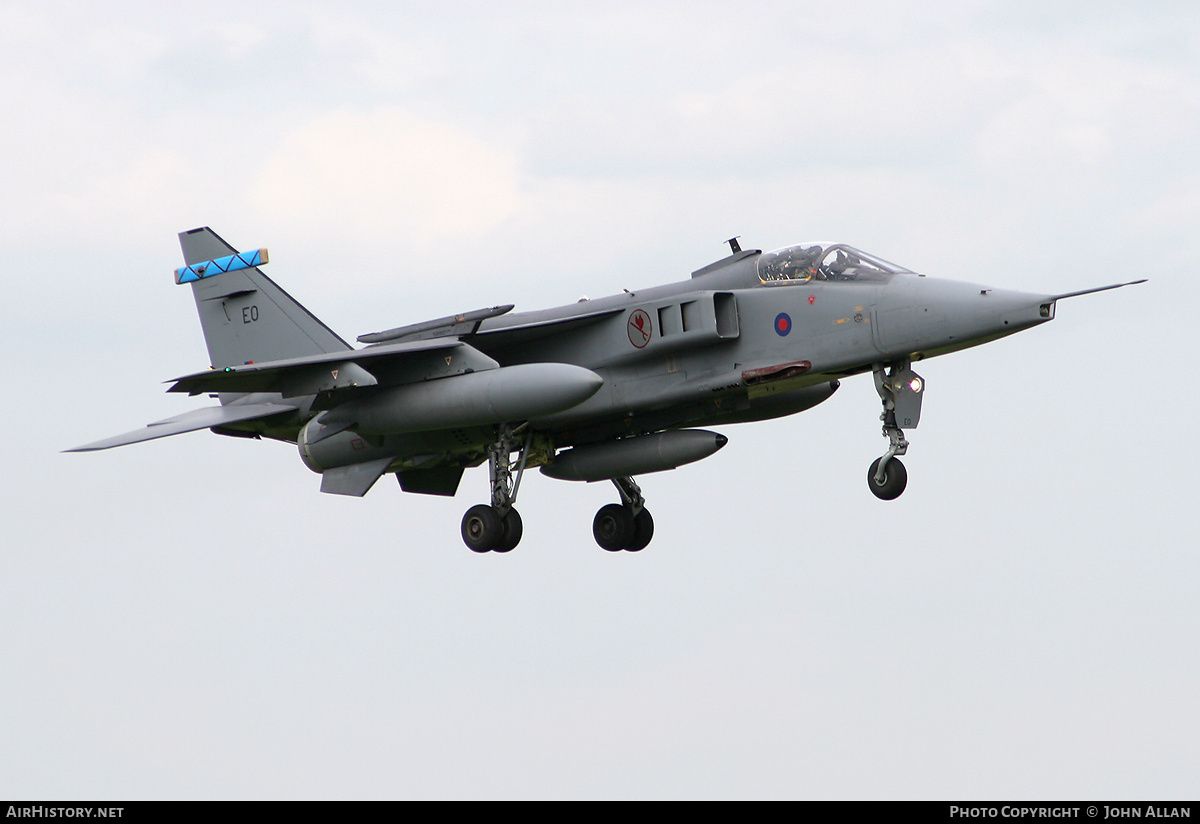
{"x": 245, "y": 315}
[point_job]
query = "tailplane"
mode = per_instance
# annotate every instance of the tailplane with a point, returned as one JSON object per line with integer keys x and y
{"x": 245, "y": 316}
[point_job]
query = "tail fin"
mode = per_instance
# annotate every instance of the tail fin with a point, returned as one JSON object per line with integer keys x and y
{"x": 245, "y": 315}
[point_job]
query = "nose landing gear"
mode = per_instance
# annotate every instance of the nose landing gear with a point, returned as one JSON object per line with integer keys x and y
{"x": 901, "y": 390}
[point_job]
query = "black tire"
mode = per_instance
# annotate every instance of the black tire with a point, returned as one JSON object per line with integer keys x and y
{"x": 643, "y": 531}
{"x": 613, "y": 527}
{"x": 511, "y": 532}
{"x": 482, "y": 528}
{"x": 894, "y": 480}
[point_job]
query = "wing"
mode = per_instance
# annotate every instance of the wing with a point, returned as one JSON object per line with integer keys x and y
{"x": 385, "y": 365}
{"x": 469, "y": 326}
{"x": 190, "y": 422}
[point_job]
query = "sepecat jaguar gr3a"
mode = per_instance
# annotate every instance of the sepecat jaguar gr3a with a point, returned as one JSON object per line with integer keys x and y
{"x": 598, "y": 390}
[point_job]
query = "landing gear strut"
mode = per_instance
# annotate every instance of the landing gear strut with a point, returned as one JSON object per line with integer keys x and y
{"x": 901, "y": 391}
{"x": 627, "y": 525}
{"x": 497, "y": 527}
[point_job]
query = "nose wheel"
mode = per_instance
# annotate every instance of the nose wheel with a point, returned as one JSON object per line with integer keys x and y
{"x": 895, "y": 478}
{"x": 625, "y": 526}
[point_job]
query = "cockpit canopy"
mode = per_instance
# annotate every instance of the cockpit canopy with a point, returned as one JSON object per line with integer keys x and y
{"x": 824, "y": 261}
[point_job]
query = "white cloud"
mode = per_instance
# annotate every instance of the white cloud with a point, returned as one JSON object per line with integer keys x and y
{"x": 386, "y": 172}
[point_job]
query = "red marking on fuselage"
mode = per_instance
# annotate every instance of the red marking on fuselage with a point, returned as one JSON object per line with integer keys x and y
{"x": 639, "y": 328}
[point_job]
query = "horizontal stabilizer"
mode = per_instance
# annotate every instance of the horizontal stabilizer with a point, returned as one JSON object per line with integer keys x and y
{"x": 355, "y": 479}
{"x": 190, "y": 422}
{"x": 383, "y": 365}
{"x": 229, "y": 263}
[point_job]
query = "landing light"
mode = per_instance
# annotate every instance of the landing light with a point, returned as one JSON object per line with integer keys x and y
{"x": 915, "y": 385}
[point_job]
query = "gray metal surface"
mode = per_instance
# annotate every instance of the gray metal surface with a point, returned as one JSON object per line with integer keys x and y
{"x": 245, "y": 316}
{"x": 634, "y": 456}
{"x": 599, "y": 389}
{"x": 190, "y": 422}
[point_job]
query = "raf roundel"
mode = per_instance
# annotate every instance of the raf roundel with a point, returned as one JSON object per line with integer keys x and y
{"x": 783, "y": 324}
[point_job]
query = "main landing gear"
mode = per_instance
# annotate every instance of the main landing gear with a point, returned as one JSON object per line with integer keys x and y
{"x": 901, "y": 390}
{"x": 498, "y": 528}
{"x": 627, "y": 525}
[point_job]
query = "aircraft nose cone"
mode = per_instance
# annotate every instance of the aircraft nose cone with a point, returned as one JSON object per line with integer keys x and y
{"x": 1000, "y": 312}
{"x": 933, "y": 316}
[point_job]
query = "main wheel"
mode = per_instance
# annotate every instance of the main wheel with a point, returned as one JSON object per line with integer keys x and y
{"x": 643, "y": 531}
{"x": 613, "y": 527}
{"x": 511, "y": 530}
{"x": 482, "y": 528}
{"x": 895, "y": 478}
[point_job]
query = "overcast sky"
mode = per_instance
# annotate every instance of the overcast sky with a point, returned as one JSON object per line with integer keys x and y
{"x": 191, "y": 618}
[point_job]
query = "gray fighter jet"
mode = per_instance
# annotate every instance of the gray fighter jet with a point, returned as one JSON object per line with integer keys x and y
{"x": 598, "y": 390}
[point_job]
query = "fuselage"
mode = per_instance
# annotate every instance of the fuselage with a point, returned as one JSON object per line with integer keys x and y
{"x": 597, "y": 390}
{"x": 735, "y": 344}
{"x": 751, "y": 337}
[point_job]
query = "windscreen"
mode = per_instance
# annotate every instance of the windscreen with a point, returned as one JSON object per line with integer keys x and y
{"x": 824, "y": 261}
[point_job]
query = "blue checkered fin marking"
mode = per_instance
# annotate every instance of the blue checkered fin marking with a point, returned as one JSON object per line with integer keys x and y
{"x": 230, "y": 263}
